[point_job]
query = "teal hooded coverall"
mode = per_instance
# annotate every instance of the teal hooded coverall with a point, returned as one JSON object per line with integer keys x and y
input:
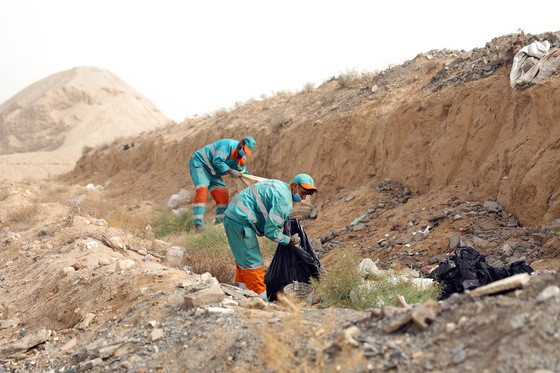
{"x": 259, "y": 210}
{"x": 207, "y": 166}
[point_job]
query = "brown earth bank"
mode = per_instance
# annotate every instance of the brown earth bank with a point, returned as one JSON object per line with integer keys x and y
{"x": 410, "y": 163}
{"x": 480, "y": 136}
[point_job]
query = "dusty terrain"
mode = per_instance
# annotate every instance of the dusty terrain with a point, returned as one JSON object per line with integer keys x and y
{"x": 435, "y": 151}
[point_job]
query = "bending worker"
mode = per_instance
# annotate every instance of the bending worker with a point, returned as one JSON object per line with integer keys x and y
{"x": 208, "y": 165}
{"x": 261, "y": 209}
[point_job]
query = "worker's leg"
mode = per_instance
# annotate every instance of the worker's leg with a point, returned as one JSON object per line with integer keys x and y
{"x": 252, "y": 279}
{"x": 201, "y": 180}
{"x": 219, "y": 191}
{"x": 245, "y": 247}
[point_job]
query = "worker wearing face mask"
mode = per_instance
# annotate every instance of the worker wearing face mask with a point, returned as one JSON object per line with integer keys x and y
{"x": 261, "y": 210}
{"x": 208, "y": 165}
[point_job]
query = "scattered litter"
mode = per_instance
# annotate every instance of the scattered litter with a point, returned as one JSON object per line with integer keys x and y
{"x": 357, "y": 220}
{"x": 533, "y": 63}
{"x": 98, "y": 187}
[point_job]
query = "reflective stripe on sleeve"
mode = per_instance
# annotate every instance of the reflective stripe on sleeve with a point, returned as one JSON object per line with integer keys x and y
{"x": 279, "y": 237}
{"x": 259, "y": 201}
{"x": 276, "y": 218}
{"x": 247, "y": 212}
{"x": 206, "y": 160}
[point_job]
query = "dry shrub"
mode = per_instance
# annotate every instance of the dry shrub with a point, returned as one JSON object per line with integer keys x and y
{"x": 308, "y": 87}
{"x": 94, "y": 204}
{"x": 132, "y": 221}
{"x": 299, "y": 346}
{"x": 23, "y": 214}
{"x": 208, "y": 251}
{"x": 53, "y": 193}
{"x": 217, "y": 264}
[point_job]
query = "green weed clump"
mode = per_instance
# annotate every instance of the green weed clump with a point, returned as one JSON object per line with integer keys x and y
{"x": 166, "y": 223}
{"x": 384, "y": 292}
{"x": 341, "y": 285}
{"x": 337, "y": 282}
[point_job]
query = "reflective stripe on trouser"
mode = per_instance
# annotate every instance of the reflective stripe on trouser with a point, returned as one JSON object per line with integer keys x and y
{"x": 253, "y": 280}
{"x": 248, "y": 259}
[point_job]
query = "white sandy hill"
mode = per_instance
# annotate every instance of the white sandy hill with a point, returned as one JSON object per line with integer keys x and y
{"x": 45, "y": 127}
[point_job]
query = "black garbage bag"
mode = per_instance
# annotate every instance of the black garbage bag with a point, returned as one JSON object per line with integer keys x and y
{"x": 291, "y": 263}
{"x": 467, "y": 270}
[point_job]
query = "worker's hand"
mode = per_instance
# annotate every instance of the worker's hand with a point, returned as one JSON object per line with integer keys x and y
{"x": 234, "y": 173}
{"x": 244, "y": 171}
{"x": 295, "y": 240}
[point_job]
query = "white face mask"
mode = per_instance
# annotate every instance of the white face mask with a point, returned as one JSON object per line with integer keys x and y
{"x": 241, "y": 152}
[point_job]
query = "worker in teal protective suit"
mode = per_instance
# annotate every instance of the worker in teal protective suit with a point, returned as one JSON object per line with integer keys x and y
{"x": 208, "y": 165}
{"x": 261, "y": 210}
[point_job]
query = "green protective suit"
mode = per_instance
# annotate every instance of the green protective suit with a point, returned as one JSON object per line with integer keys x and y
{"x": 262, "y": 210}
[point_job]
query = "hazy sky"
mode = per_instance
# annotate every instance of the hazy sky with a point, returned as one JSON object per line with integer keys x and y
{"x": 193, "y": 57}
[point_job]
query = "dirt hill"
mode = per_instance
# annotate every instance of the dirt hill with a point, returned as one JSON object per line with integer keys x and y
{"x": 410, "y": 162}
{"x": 46, "y": 127}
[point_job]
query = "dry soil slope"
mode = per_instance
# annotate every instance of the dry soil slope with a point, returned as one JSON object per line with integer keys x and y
{"x": 480, "y": 136}
{"x": 45, "y": 127}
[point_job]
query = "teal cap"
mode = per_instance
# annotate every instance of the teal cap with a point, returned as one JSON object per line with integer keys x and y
{"x": 250, "y": 142}
{"x": 305, "y": 181}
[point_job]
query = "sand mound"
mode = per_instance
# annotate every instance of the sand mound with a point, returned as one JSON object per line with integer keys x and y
{"x": 49, "y": 123}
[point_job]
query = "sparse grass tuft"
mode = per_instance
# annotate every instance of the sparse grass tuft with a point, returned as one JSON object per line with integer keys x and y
{"x": 221, "y": 113}
{"x": 130, "y": 221}
{"x": 53, "y": 193}
{"x": 166, "y": 223}
{"x": 208, "y": 251}
{"x": 328, "y": 98}
{"x": 337, "y": 282}
{"x": 308, "y": 87}
{"x": 341, "y": 285}
{"x": 383, "y": 292}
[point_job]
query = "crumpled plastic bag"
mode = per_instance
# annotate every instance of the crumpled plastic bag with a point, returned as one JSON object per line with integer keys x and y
{"x": 533, "y": 63}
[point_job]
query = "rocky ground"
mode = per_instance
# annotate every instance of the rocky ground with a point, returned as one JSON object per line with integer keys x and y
{"x": 86, "y": 287}
{"x": 79, "y": 295}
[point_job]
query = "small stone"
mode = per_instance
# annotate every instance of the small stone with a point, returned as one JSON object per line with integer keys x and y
{"x": 460, "y": 357}
{"x": 156, "y": 334}
{"x": 551, "y": 291}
